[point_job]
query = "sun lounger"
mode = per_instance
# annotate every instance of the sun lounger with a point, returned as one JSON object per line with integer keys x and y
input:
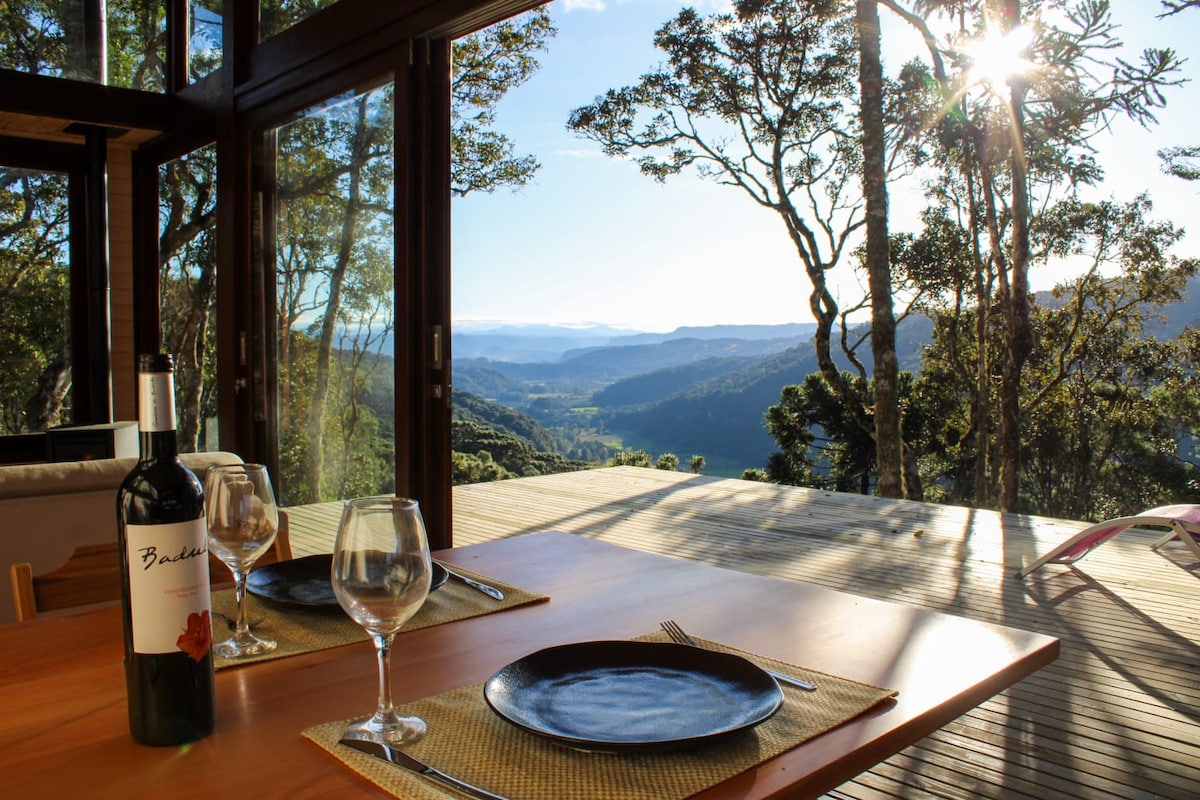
{"x": 1183, "y": 520}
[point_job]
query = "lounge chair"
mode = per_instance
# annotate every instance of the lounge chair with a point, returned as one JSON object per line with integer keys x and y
{"x": 1183, "y": 520}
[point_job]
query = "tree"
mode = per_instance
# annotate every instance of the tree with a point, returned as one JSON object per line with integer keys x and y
{"x": 758, "y": 99}
{"x": 696, "y": 464}
{"x": 632, "y": 458}
{"x": 487, "y": 65}
{"x": 889, "y": 446}
{"x": 1182, "y": 162}
{"x": 1019, "y": 144}
{"x": 1104, "y": 404}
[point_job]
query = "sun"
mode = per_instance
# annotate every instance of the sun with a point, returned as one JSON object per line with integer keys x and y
{"x": 998, "y": 56}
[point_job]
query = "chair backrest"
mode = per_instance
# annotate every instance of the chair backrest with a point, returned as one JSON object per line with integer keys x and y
{"x": 92, "y": 575}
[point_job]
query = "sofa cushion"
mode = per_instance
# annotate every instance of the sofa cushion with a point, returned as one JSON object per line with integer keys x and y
{"x": 50, "y": 509}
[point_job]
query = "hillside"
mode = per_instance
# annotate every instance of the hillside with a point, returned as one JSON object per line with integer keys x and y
{"x": 721, "y": 419}
{"x": 654, "y": 386}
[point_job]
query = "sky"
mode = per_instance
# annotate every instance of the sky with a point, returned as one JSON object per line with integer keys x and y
{"x": 593, "y": 241}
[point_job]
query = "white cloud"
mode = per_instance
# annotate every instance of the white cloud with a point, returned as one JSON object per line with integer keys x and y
{"x": 583, "y": 5}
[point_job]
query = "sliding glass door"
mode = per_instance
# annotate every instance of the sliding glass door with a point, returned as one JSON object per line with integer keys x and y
{"x": 333, "y": 241}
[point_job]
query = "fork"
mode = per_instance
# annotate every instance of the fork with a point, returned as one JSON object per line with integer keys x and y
{"x": 679, "y": 636}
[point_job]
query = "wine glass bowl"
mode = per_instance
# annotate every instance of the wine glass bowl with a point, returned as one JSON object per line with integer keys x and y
{"x": 381, "y": 575}
{"x": 243, "y": 521}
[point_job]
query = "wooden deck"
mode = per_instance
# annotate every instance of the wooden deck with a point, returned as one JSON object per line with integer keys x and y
{"x": 1117, "y": 716}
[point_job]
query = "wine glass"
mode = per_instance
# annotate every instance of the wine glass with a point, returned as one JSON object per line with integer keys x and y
{"x": 381, "y": 574}
{"x": 242, "y": 523}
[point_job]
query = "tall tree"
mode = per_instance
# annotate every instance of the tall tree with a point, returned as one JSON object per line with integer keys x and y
{"x": 1024, "y": 132}
{"x": 889, "y": 445}
{"x": 762, "y": 99}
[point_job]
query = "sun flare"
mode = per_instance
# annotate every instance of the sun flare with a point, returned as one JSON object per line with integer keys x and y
{"x": 998, "y": 56}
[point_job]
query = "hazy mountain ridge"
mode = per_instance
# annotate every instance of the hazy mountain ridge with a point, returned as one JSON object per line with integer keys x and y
{"x": 694, "y": 390}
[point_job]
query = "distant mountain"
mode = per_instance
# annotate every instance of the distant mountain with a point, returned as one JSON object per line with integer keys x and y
{"x": 550, "y": 343}
{"x": 799, "y": 330}
{"x": 722, "y": 418}
{"x": 654, "y": 386}
{"x": 531, "y": 343}
{"x": 615, "y": 362}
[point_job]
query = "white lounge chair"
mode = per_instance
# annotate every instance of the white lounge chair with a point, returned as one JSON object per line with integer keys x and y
{"x": 1183, "y": 520}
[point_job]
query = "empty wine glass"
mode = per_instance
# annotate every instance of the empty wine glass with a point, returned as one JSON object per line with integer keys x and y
{"x": 381, "y": 573}
{"x": 242, "y": 523}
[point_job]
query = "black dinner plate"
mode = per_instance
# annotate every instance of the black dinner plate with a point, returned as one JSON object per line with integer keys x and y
{"x": 305, "y": 583}
{"x": 632, "y": 695}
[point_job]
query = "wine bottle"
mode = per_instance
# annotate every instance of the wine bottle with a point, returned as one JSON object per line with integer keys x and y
{"x": 162, "y": 540}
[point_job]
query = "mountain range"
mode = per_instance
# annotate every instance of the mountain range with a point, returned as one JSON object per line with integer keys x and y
{"x": 693, "y": 390}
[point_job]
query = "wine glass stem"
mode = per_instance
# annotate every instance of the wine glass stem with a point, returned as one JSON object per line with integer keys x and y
{"x": 239, "y": 577}
{"x": 383, "y": 649}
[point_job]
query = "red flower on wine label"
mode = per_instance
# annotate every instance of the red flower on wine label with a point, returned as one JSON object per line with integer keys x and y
{"x": 197, "y": 639}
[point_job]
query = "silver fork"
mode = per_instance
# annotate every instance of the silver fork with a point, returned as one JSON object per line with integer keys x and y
{"x": 679, "y": 636}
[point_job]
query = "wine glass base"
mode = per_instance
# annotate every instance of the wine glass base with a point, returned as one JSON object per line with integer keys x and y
{"x": 391, "y": 729}
{"x": 241, "y": 648}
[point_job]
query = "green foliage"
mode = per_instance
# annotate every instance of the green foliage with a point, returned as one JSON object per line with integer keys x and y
{"x": 668, "y": 462}
{"x": 487, "y": 65}
{"x": 480, "y": 468}
{"x": 503, "y": 419}
{"x": 34, "y": 300}
{"x": 632, "y": 458}
{"x": 514, "y": 454}
{"x": 696, "y": 464}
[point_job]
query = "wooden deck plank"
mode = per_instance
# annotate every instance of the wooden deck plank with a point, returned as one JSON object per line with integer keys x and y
{"x": 1117, "y": 716}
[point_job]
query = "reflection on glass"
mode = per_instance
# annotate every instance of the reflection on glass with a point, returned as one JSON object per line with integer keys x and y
{"x": 34, "y": 300}
{"x": 117, "y": 42}
{"x": 334, "y": 275}
{"x": 187, "y": 204}
{"x": 204, "y": 39}
{"x": 275, "y": 16}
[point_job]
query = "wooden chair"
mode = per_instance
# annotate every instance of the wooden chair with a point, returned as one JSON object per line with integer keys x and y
{"x": 91, "y": 576}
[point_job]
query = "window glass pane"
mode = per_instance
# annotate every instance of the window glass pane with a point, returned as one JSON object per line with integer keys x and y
{"x": 66, "y": 39}
{"x": 34, "y": 300}
{"x": 187, "y": 200}
{"x": 137, "y": 44}
{"x": 42, "y": 37}
{"x": 204, "y": 37}
{"x": 279, "y": 15}
{"x": 334, "y": 288}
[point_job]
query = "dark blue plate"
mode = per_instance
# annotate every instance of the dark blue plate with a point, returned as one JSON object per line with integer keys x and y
{"x": 632, "y": 695}
{"x": 305, "y": 583}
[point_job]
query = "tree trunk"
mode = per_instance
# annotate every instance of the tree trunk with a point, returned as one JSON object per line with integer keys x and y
{"x": 1018, "y": 335}
{"x": 888, "y": 444}
{"x": 316, "y": 416}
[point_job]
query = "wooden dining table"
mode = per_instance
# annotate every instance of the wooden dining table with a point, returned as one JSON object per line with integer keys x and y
{"x": 63, "y": 728}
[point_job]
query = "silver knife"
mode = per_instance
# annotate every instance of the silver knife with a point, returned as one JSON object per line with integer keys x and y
{"x": 396, "y": 756}
{"x": 490, "y": 591}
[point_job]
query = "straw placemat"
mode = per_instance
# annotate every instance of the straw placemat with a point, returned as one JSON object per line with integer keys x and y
{"x": 297, "y": 631}
{"x": 471, "y": 742}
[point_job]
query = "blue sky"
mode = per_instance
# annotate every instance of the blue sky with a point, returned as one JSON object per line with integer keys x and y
{"x": 593, "y": 241}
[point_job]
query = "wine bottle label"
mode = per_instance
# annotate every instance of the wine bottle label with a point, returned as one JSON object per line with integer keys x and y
{"x": 156, "y": 402}
{"x": 169, "y": 596}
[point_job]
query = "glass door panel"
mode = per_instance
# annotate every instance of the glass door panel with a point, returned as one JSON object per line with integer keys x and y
{"x": 334, "y": 288}
{"x": 187, "y": 201}
{"x": 35, "y": 300}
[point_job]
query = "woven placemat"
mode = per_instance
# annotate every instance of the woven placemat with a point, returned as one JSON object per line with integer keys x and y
{"x": 297, "y": 631}
{"x": 468, "y": 740}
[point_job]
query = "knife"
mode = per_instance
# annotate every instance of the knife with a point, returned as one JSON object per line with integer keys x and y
{"x": 396, "y": 756}
{"x": 490, "y": 591}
